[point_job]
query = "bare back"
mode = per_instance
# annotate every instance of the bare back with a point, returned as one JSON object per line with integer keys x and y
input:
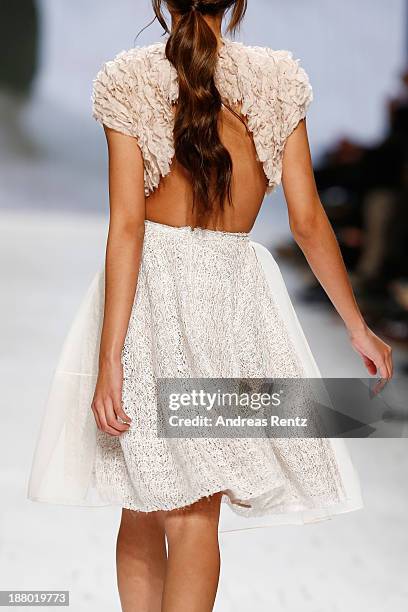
{"x": 170, "y": 203}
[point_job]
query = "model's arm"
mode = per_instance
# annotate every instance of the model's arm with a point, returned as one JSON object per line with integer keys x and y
{"x": 123, "y": 255}
{"x": 313, "y": 233}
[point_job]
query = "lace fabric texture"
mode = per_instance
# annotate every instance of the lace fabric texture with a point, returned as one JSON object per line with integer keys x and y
{"x": 134, "y": 93}
{"x": 203, "y": 309}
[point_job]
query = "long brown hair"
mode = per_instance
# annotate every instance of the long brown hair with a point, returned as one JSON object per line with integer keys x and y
{"x": 193, "y": 51}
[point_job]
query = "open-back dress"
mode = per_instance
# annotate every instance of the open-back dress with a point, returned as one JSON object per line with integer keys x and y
{"x": 208, "y": 303}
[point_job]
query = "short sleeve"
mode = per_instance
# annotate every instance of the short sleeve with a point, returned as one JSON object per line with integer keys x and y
{"x": 295, "y": 93}
{"x": 110, "y": 96}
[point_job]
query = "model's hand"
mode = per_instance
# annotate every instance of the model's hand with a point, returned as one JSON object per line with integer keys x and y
{"x": 107, "y": 404}
{"x": 376, "y": 354}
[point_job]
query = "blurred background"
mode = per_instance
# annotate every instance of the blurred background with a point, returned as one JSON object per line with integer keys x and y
{"x": 53, "y": 223}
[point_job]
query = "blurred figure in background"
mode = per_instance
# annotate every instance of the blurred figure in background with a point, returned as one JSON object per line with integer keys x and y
{"x": 19, "y": 42}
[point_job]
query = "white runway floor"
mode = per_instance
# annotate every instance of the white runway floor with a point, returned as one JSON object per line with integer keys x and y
{"x": 353, "y": 562}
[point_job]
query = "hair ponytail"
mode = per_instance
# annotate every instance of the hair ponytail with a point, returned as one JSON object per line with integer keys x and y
{"x": 192, "y": 49}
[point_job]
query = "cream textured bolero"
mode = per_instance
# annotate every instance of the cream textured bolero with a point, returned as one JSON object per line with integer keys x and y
{"x": 134, "y": 93}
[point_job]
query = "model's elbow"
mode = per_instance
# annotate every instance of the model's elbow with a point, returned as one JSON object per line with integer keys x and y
{"x": 307, "y": 222}
{"x": 135, "y": 228}
{"x": 128, "y": 228}
{"x": 305, "y": 228}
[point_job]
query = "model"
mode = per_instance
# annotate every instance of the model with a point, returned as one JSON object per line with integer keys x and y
{"x": 199, "y": 128}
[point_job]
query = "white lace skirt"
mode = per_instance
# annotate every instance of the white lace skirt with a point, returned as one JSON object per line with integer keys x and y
{"x": 207, "y": 304}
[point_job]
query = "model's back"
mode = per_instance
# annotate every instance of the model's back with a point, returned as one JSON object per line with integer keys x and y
{"x": 171, "y": 202}
{"x": 137, "y": 94}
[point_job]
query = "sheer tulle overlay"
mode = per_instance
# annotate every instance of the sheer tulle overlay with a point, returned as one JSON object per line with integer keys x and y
{"x": 207, "y": 304}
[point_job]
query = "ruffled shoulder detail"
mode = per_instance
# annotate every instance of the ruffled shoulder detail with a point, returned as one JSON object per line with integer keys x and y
{"x": 134, "y": 93}
{"x": 258, "y": 87}
{"x": 290, "y": 94}
{"x": 295, "y": 91}
{"x": 275, "y": 93}
{"x": 111, "y": 105}
{"x": 128, "y": 96}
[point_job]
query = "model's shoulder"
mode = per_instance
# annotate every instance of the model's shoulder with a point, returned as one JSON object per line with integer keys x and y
{"x": 134, "y": 60}
{"x": 279, "y": 60}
